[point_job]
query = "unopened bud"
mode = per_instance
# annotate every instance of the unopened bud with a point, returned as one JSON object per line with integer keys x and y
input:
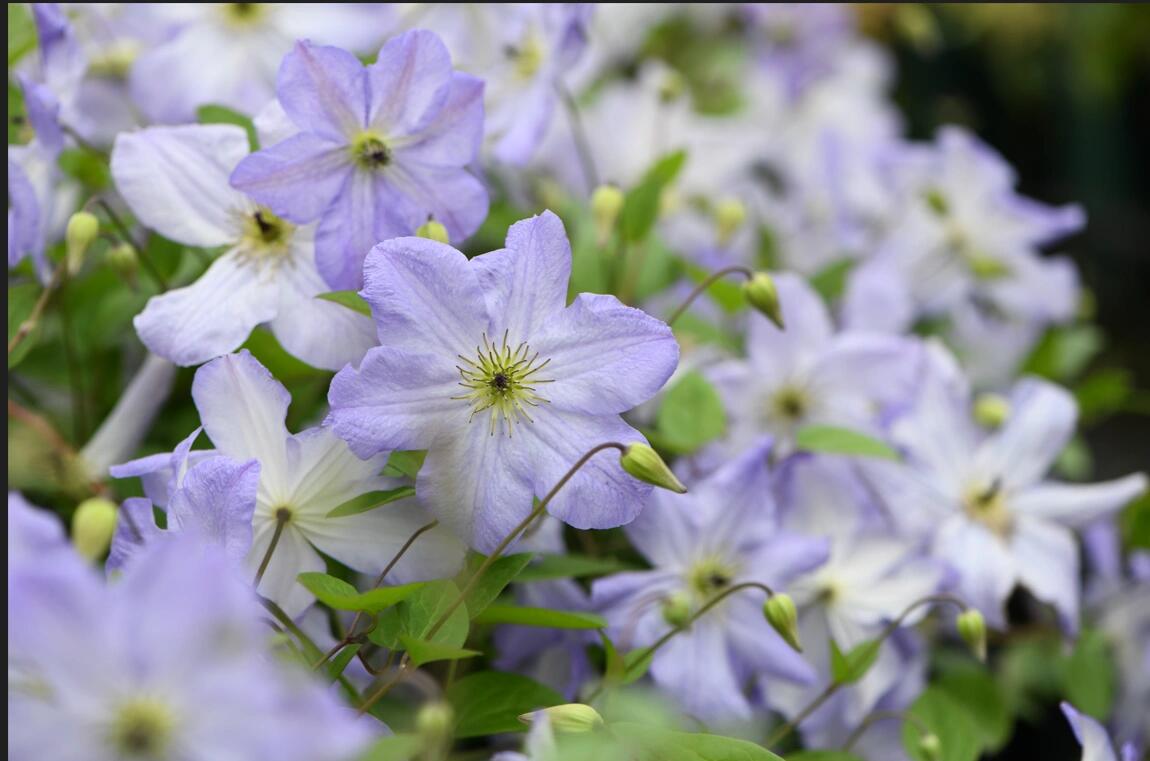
{"x": 606, "y": 203}
{"x": 433, "y": 230}
{"x": 434, "y": 724}
{"x": 781, "y": 614}
{"x": 673, "y": 86}
{"x": 83, "y": 227}
{"x": 645, "y": 464}
{"x": 93, "y": 525}
{"x": 677, "y": 609}
{"x": 991, "y": 410}
{"x": 972, "y": 628}
{"x": 762, "y": 294}
{"x": 730, "y": 213}
{"x": 571, "y": 717}
{"x": 124, "y": 259}
{"x": 930, "y": 747}
{"x": 985, "y": 267}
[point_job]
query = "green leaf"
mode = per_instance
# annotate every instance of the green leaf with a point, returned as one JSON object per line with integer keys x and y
{"x": 832, "y": 440}
{"x": 978, "y": 692}
{"x": 216, "y": 114}
{"x": 87, "y": 167}
{"x": 21, "y": 300}
{"x": 635, "y": 664}
{"x": 421, "y": 651}
{"x": 641, "y": 204}
{"x": 957, "y": 730}
{"x": 370, "y": 501}
{"x": 691, "y": 414}
{"x": 404, "y": 464}
{"x": 548, "y": 567}
{"x": 418, "y": 614}
{"x": 831, "y": 280}
{"x": 338, "y": 594}
{"x": 647, "y": 743}
{"x": 490, "y": 702}
{"x": 1103, "y": 392}
{"x": 21, "y": 32}
{"x": 1088, "y": 675}
{"x": 1063, "y": 353}
{"x": 822, "y": 755}
{"x": 615, "y": 668}
{"x": 405, "y": 747}
{"x": 340, "y": 661}
{"x": 853, "y": 665}
{"x": 1135, "y": 523}
{"x": 497, "y": 576}
{"x": 542, "y": 617}
{"x": 349, "y": 299}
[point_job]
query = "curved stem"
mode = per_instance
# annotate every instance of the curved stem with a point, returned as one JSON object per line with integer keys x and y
{"x": 835, "y": 685}
{"x": 878, "y": 716}
{"x": 281, "y": 521}
{"x": 704, "y": 286}
{"x": 582, "y": 145}
{"x": 33, "y": 319}
{"x": 490, "y": 560}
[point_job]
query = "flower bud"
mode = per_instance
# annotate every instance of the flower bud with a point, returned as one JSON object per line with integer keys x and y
{"x": 762, "y": 294}
{"x": 606, "y": 203}
{"x": 991, "y": 410}
{"x": 930, "y": 747}
{"x": 83, "y": 227}
{"x": 645, "y": 464}
{"x": 972, "y": 628}
{"x": 433, "y": 230}
{"x": 730, "y": 213}
{"x": 434, "y": 724}
{"x": 985, "y": 267}
{"x": 93, "y": 525}
{"x": 123, "y": 259}
{"x": 677, "y": 609}
{"x": 781, "y": 614}
{"x": 571, "y": 717}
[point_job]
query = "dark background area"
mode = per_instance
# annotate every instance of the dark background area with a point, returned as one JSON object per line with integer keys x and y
{"x": 1063, "y": 92}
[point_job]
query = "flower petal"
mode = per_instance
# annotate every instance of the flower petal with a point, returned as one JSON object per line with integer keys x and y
{"x": 292, "y": 556}
{"x": 1076, "y": 505}
{"x": 984, "y": 563}
{"x": 409, "y": 82}
{"x": 454, "y": 136}
{"x": 323, "y": 89}
{"x": 298, "y": 178}
{"x": 808, "y": 327}
{"x": 1041, "y": 422}
{"x": 450, "y": 195}
{"x": 1047, "y": 560}
{"x": 175, "y": 179}
{"x": 210, "y": 317}
{"x": 217, "y": 500}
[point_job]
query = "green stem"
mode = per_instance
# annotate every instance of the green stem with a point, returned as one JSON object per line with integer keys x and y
{"x": 582, "y": 145}
{"x": 704, "y": 286}
{"x": 33, "y": 318}
{"x": 878, "y": 716}
{"x": 281, "y": 521}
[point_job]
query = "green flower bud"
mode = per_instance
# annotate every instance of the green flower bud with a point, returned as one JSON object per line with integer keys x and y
{"x": 645, "y": 464}
{"x": 673, "y": 87}
{"x": 781, "y": 614}
{"x": 930, "y": 747}
{"x": 433, "y": 230}
{"x": 985, "y": 267}
{"x": 83, "y": 227}
{"x": 730, "y": 213}
{"x": 972, "y": 628}
{"x": 434, "y": 724}
{"x": 124, "y": 259}
{"x": 762, "y": 294}
{"x": 93, "y": 525}
{"x": 991, "y": 410}
{"x": 571, "y": 717}
{"x": 677, "y": 609}
{"x": 606, "y": 203}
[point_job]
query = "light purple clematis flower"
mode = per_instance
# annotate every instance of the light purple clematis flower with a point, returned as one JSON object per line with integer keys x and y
{"x": 721, "y": 534}
{"x": 378, "y": 150}
{"x": 982, "y": 499}
{"x": 1092, "y": 736}
{"x": 809, "y": 373}
{"x": 483, "y": 364}
{"x": 302, "y": 477}
{"x": 170, "y": 661}
{"x": 215, "y": 500}
{"x": 175, "y": 179}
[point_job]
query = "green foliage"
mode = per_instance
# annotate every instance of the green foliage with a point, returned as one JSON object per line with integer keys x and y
{"x": 831, "y": 440}
{"x": 830, "y": 282}
{"x": 416, "y": 615}
{"x": 543, "y": 617}
{"x": 21, "y": 32}
{"x": 370, "y": 501}
{"x": 548, "y": 567}
{"x": 21, "y": 300}
{"x": 421, "y": 651}
{"x": 649, "y": 743}
{"x": 690, "y": 415}
{"x": 340, "y": 595}
{"x": 1064, "y": 352}
{"x": 853, "y": 665}
{"x": 980, "y": 695}
{"x": 822, "y": 755}
{"x": 399, "y": 747}
{"x": 641, "y": 205}
{"x": 493, "y": 581}
{"x": 404, "y": 464}
{"x": 216, "y": 114}
{"x": 350, "y": 299}
{"x": 1088, "y": 675}
{"x": 940, "y": 713}
{"x": 490, "y": 702}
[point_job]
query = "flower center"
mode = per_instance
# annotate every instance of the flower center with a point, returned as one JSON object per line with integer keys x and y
{"x": 790, "y": 404}
{"x": 709, "y": 577}
{"x": 244, "y": 14}
{"x": 987, "y": 505}
{"x": 370, "y": 152}
{"x": 527, "y": 56}
{"x": 141, "y": 729}
{"x": 502, "y": 379}
{"x": 265, "y": 235}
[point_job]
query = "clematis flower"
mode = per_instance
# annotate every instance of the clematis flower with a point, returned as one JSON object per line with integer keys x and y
{"x": 483, "y": 364}
{"x": 227, "y": 53}
{"x": 175, "y": 179}
{"x": 1092, "y": 736}
{"x": 216, "y": 500}
{"x": 378, "y": 149}
{"x": 723, "y": 533}
{"x": 168, "y": 662}
{"x": 808, "y": 373}
{"x": 303, "y": 477}
{"x": 982, "y": 499}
